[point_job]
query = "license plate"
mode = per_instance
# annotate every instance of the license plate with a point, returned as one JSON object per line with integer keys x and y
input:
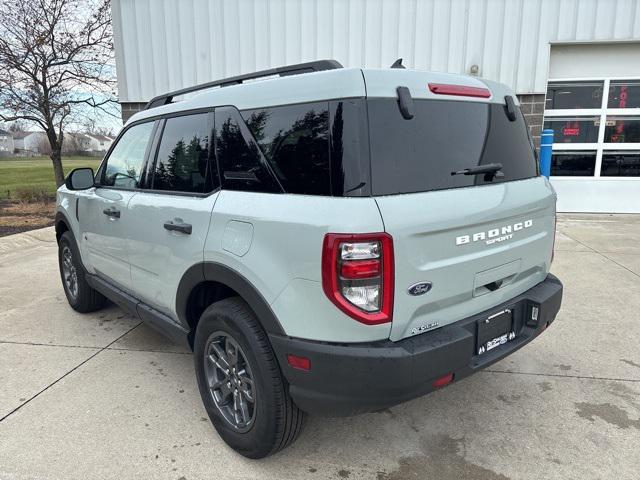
{"x": 495, "y": 330}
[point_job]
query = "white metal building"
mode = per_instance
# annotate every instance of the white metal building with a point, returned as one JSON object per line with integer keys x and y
{"x": 585, "y": 53}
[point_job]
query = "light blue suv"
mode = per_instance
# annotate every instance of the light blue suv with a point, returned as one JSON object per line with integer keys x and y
{"x": 326, "y": 240}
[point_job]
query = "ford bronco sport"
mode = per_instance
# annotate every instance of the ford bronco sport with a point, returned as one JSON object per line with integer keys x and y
{"x": 329, "y": 240}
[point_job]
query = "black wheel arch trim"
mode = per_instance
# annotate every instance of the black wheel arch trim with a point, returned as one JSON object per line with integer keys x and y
{"x": 61, "y": 218}
{"x": 217, "y": 272}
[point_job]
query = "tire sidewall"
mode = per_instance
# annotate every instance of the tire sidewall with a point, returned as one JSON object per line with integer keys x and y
{"x": 67, "y": 239}
{"x": 258, "y": 441}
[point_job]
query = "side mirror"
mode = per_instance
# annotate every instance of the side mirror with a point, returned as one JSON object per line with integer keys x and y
{"x": 80, "y": 179}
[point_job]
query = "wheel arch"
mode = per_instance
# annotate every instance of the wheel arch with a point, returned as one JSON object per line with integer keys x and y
{"x": 207, "y": 282}
{"x": 62, "y": 224}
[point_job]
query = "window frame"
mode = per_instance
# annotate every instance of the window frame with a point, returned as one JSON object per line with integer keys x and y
{"x": 603, "y": 112}
{"x": 153, "y": 146}
{"x": 153, "y": 159}
{"x": 247, "y": 135}
{"x": 101, "y": 171}
{"x": 327, "y": 104}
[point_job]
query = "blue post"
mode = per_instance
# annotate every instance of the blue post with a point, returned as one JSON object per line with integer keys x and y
{"x": 546, "y": 146}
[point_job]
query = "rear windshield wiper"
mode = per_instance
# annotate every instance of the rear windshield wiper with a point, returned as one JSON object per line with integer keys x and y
{"x": 490, "y": 170}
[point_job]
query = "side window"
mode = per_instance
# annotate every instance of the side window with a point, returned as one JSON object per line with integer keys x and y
{"x": 295, "y": 141}
{"x": 241, "y": 164}
{"x": 125, "y": 163}
{"x": 182, "y": 163}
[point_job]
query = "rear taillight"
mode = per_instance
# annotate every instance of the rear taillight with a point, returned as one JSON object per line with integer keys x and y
{"x": 459, "y": 90}
{"x": 357, "y": 275}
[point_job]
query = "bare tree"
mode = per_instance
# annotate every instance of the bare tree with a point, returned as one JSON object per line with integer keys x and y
{"x": 56, "y": 65}
{"x": 18, "y": 126}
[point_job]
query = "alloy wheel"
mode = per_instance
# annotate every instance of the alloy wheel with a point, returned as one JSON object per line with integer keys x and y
{"x": 69, "y": 272}
{"x": 230, "y": 381}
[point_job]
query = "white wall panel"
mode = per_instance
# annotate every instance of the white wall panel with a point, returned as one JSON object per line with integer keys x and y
{"x": 595, "y": 61}
{"x": 601, "y": 196}
{"x": 169, "y": 44}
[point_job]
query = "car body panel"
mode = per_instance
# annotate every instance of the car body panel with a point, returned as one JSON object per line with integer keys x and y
{"x": 425, "y": 229}
{"x": 283, "y": 261}
{"x": 158, "y": 257}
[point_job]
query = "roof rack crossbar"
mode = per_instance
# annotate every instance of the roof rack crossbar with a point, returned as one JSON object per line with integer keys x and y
{"x": 297, "y": 69}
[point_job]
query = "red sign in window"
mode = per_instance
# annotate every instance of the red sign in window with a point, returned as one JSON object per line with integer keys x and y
{"x": 571, "y": 132}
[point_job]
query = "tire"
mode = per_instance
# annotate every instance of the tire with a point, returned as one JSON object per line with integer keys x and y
{"x": 82, "y": 298}
{"x": 275, "y": 421}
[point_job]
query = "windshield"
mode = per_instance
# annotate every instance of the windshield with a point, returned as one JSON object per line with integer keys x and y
{"x": 444, "y": 136}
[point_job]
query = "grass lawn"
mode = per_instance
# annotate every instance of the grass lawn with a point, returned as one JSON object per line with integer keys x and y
{"x": 36, "y": 173}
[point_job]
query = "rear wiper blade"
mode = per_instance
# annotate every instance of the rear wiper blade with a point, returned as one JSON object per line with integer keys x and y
{"x": 493, "y": 169}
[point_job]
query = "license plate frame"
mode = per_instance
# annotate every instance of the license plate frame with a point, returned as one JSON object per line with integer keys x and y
{"x": 495, "y": 330}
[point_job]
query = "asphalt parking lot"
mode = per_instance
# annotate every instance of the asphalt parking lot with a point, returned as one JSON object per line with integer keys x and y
{"x": 103, "y": 396}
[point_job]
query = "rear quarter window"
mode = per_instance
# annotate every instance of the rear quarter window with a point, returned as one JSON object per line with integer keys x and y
{"x": 295, "y": 141}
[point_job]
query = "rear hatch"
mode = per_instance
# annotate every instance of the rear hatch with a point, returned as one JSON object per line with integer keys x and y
{"x": 470, "y": 242}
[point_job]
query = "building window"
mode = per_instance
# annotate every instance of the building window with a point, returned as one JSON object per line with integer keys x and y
{"x": 596, "y": 126}
{"x": 621, "y": 164}
{"x": 574, "y": 129}
{"x": 573, "y": 163}
{"x": 624, "y": 94}
{"x": 571, "y": 95}
{"x": 622, "y": 130}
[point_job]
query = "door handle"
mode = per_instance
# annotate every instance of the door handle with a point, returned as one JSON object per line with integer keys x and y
{"x": 178, "y": 227}
{"x": 111, "y": 212}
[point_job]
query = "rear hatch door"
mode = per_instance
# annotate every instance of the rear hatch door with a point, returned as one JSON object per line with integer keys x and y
{"x": 476, "y": 248}
{"x": 475, "y": 240}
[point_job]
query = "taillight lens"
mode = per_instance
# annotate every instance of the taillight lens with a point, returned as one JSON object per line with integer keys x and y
{"x": 357, "y": 275}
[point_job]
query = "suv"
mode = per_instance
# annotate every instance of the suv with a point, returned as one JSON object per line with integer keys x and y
{"x": 332, "y": 240}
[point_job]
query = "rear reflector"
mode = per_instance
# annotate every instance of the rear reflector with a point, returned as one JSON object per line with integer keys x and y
{"x": 443, "y": 381}
{"x": 301, "y": 363}
{"x": 459, "y": 90}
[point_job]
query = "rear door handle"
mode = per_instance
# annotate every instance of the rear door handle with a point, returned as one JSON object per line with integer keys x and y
{"x": 178, "y": 227}
{"x": 111, "y": 212}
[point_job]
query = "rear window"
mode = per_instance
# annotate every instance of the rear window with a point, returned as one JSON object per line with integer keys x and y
{"x": 418, "y": 155}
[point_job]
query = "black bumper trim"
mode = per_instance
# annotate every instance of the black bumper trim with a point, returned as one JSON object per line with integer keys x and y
{"x": 347, "y": 379}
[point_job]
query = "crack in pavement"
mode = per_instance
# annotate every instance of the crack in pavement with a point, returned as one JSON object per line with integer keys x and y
{"x": 561, "y": 375}
{"x": 68, "y": 373}
{"x": 35, "y": 344}
{"x": 602, "y": 254}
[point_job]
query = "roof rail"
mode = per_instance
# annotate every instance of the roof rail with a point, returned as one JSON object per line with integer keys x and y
{"x": 297, "y": 69}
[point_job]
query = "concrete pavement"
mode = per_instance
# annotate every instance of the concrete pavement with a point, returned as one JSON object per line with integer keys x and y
{"x": 103, "y": 396}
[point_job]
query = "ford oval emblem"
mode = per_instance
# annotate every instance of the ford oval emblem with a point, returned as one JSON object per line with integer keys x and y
{"x": 419, "y": 288}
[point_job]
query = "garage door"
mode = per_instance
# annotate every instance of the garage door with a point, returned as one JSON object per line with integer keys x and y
{"x": 593, "y": 106}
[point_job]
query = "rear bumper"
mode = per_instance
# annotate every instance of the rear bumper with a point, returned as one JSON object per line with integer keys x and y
{"x": 347, "y": 379}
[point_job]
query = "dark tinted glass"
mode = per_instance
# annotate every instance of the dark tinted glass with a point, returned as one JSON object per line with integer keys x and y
{"x": 624, "y": 94}
{"x": 579, "y": 163}
{"x": 573, "y": 129}
{"x": 350, "y": 168}
{"x": 242, "y": 166}
{"x": 182, "y": 164}
{"x": 295, "y": 141}
{"x": 126, "y": 161}
{"x": 574, "y": 95}
{"x": 620, "y": 164}
{"x": 419, "y": 155}
{"x": 622, "y": 130}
